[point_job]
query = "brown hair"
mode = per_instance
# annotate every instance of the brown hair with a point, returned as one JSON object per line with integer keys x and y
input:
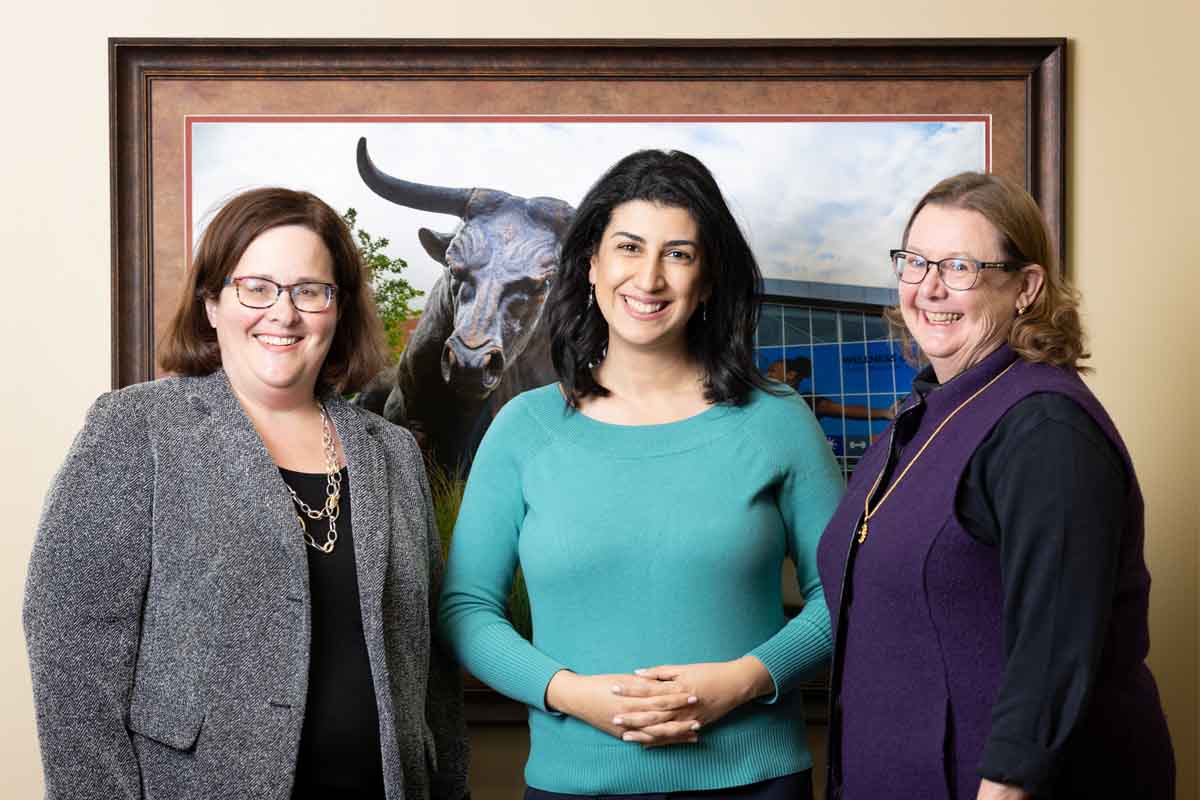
{"x": 357, "y": 353}
{"x": 1050, "y": 331}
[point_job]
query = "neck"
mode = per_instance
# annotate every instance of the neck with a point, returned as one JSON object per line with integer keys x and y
{"x": 265, "y": 406}
{"x": 639, "y": 374}
{"x": 948, "y": 368}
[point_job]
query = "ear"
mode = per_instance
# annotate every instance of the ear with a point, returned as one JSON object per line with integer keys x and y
{"x": 592, "y": 269}
{"x": 435, "y": 243}
{"x": 210, "y": 308}
{"x": 1033, "y": 277}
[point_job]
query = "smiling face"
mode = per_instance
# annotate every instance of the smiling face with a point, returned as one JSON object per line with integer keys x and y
{"x": 276, "y": 353}
{"x": 648, "y": 276}
{"x": 957, "y": 329}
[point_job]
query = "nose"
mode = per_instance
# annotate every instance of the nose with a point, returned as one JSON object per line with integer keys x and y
{"x": 649, "y": 275}
{"x": 931, "y": 285}
{"x": 284, "y": 311}
{"x": 472, "y": 370}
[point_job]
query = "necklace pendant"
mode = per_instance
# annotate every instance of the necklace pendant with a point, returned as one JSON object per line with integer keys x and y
{"x": 862, "y": 532}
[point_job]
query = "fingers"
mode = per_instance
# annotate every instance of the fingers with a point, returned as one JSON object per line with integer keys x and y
{"x": 689, "y": 739}
{"x": 676, "y": 729}
{"x": 666, "y": 672}
{"x": 644, "y": 687}
{"x": 674, "y": 732}
{"x": 643, "y": 719}
{"x": 666, "y": 702}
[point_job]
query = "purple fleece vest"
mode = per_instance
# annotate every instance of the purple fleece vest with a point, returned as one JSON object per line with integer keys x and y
{"x": 920, "y": 657}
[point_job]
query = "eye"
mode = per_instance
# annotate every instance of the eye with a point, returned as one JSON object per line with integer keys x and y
{"x": 628, "y": 247}
{"x": 311, "y": 290}
{"x": 680, "y": 255}
{"x": 257, "y": 287}
{"x": 958, "y": 265}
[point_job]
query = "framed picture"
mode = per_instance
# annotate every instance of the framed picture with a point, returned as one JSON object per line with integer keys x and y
{"x": 821, "y": 147}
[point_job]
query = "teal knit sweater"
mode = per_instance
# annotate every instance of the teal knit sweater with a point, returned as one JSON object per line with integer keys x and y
{"x": 645, "y": 545}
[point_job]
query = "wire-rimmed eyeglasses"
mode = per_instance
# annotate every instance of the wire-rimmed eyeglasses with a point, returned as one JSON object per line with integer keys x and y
{"x": 957, "y": 273}
{"x": 311, "y": 297}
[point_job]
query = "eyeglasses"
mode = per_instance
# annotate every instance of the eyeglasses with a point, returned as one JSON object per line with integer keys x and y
{"x": 959, "y": 274}
{"x": 310, "y": 297}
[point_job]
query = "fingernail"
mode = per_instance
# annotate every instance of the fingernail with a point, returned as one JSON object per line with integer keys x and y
{"x": 693, "y": 739}
{"x": 639, "y": 672}
{"x": 616, "y": 689}
{"x": 692, "y": 700}
{"x": 695, "y": 726}
{"x": 628, "y": 737}
{"x": 618, "y": 721}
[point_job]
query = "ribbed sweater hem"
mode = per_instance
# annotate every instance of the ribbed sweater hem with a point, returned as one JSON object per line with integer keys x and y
{"x": 721, "y": 759}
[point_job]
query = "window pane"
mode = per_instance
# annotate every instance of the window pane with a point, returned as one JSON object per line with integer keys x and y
{"x": 770, "y": 325}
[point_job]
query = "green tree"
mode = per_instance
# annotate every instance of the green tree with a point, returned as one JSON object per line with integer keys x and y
{"x": 392, "y": 293}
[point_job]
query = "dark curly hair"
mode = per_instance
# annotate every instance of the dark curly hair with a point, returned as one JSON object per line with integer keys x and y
{"x": 724, "y": 342}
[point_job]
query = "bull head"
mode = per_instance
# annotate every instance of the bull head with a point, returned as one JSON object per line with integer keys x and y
{"x": 499, "y": 261}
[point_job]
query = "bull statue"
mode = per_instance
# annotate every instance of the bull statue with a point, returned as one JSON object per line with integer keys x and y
{"x": 480, "y": 340}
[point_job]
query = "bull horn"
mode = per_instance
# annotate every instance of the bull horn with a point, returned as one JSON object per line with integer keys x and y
{"x": 421, "y": 196}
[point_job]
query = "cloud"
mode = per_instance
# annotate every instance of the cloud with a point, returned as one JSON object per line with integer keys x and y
{"x": 820, "y": 201}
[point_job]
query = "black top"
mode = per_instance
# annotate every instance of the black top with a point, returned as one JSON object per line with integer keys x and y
{"x": 339, "y": 752}
{"x": 1050, "y": 490}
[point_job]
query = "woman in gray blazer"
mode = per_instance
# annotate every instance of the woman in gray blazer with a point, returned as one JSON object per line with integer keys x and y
{"x": 232, "y": 585}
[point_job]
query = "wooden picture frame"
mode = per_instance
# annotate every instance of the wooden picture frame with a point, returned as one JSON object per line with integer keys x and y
{"x": 155, "y": 84}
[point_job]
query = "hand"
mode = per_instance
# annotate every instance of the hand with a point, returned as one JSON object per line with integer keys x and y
{"x": 604, "y": 701}
{"x": 1000, "y": 791}
{"x": 719, "y": 688}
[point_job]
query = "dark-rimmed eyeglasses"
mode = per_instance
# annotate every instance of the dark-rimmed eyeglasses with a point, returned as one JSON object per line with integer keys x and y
{"x": 310, "y": 297}
{"x": 958, "y": 273}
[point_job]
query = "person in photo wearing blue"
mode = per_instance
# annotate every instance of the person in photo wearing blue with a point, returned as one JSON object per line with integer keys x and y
{"x": 650, "y": 498}
{"x": 232, "y": 585}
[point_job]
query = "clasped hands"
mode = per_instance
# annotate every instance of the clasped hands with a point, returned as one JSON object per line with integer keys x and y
{"x": 661, "y": 705}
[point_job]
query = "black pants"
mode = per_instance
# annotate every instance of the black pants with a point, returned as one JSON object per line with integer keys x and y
{"x": 797, "y": 786}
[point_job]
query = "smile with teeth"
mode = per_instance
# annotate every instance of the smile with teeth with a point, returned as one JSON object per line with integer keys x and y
{"x": 281, "y": 341}
{"x": 644, "y": 308}
{"x": 943, "y": 316}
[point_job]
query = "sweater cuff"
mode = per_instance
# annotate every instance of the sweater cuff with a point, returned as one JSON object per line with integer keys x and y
{"x": 789, "y": 660}
{"x": 1024, "y": 764}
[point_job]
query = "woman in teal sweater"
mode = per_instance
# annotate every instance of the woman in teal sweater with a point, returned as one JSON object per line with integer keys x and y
{"x": 650, "y": 499}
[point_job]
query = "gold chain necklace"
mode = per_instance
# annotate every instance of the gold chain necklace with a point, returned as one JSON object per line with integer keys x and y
{"x": 869, "y": 512}
{"x": 333, "y": 492}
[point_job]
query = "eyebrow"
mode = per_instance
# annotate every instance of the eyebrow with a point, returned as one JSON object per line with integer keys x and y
{"x": 671, "y": 243}
{"x": 277, "y": 281}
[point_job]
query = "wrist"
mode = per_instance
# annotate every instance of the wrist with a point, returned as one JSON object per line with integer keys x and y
{"x": 755, "y": 681}
{"x": 558, "y": 691}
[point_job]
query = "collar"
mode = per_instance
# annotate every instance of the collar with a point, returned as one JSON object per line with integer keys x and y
{"x": 938, "y": 398}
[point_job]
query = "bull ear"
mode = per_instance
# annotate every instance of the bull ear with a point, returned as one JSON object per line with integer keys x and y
{"x": 435, "y": 243}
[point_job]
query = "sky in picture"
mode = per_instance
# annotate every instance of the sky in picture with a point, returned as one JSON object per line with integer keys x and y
{"x": 818, "y": 200}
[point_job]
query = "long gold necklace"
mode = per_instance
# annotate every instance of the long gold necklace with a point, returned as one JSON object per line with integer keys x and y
{"x": 869, "y": 512}
{"x": 333, "y": 493}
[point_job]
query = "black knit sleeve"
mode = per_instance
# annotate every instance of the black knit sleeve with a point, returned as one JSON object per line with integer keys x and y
{"x": 1049, "y": 489}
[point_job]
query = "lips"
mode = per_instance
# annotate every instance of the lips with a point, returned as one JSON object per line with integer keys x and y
{"x": 942, "y": 317}
{"x": 643, "y": 307}
{"x": 276, "y": 341}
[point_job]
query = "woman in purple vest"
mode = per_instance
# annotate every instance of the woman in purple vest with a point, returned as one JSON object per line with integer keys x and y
{"x": 985, "y": 573}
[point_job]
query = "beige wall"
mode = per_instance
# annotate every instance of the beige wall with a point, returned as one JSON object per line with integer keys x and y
{"x": 1134, "y": 226}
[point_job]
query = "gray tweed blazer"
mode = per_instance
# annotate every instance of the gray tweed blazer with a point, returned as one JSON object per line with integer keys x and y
{"x": 167, "y": 605}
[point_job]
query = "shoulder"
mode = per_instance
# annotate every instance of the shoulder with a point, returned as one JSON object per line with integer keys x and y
{"x": 1052, "y": 428}
{"x": 781, "y": 411}
{"x": 1050, "y": 409}
{"x": 132, "y": 409}
{"x": 784, "y": 424}
{"x": 538, "y": 412}
{"x": 397, "y": 440}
